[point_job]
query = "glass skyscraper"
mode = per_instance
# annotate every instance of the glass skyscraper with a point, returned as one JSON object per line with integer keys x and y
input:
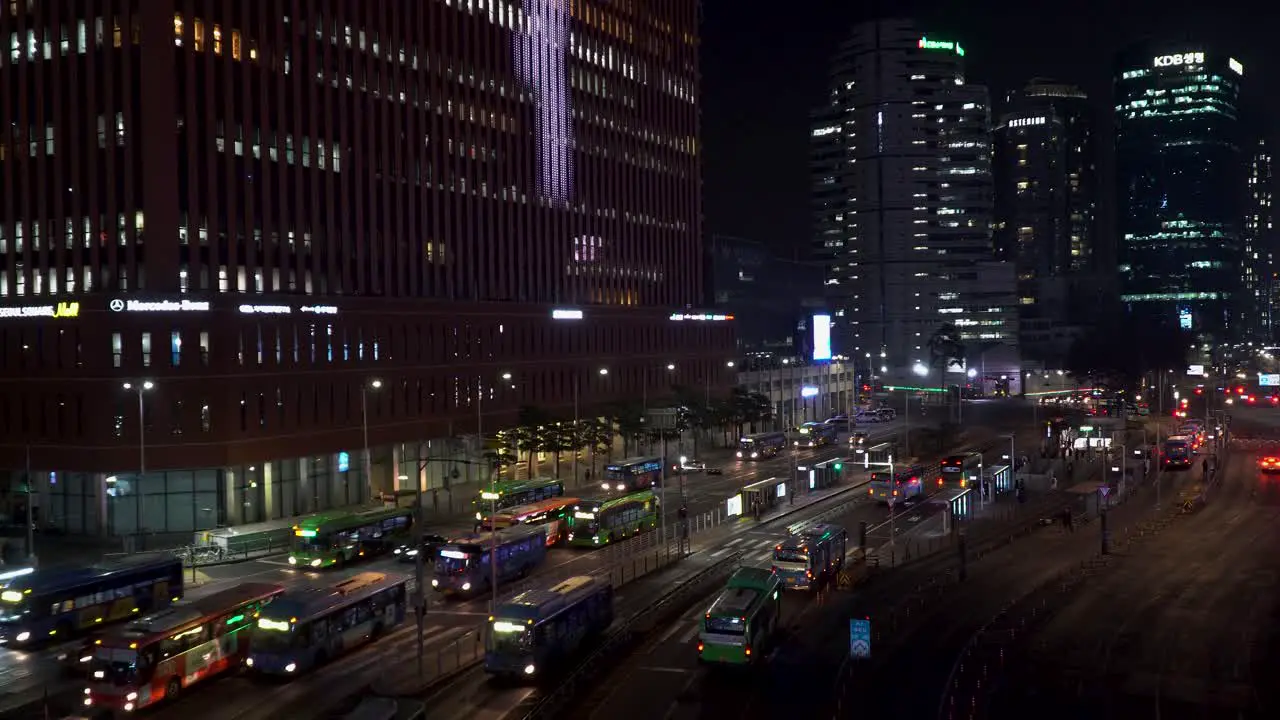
{"x": 1179, "y": 179}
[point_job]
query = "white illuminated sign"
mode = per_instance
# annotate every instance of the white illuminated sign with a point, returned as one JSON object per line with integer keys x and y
{"x": 1195, "y": 370}
{"x": 1027, "y": 122}
{"x": 1176, "y": 59}
{"x": 1235, "y": 65}
{"x": 702, "y": 317}
{"x": 266, "y": 309}
{"x": 808, "y": 391}
{"x": 161, "y": 306}
{"x": 61, "y": 310}
{"x": 319, "y": 309}
{"x": 566, "y": 314}
{"x": 819, "y": 132}
{"x": 1268, "y": 379}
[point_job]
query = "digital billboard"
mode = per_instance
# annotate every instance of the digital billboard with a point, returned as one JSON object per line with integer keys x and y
{"x": 822, "y": 337}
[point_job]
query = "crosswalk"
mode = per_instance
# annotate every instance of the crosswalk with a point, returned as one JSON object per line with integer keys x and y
{"x": 756, "y": 547}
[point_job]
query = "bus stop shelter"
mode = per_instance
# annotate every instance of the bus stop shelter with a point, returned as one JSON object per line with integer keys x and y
{"x": 957, "y": 506}
{"x": 1000, "y": 478}
{"x": 765, "y": 494}
{"x": 822, "y": 475}
{"x": 878, "y": 455}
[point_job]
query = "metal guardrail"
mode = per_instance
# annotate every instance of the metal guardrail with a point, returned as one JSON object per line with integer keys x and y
{"x": 641, "y": 623}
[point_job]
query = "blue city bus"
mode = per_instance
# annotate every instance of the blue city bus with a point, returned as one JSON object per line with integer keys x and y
{"x": 637, "y": 473}
{"x": 542, "y": 628}
{"x": 462, "y": 565}
{"x": 815, "y": 434}
{"x": 57, "y": 603}
{"x": 810, "y": 556}
{"x": 310, "y": 625}
{"x": 761, "y": 445}
{"x": 905, "y": 484}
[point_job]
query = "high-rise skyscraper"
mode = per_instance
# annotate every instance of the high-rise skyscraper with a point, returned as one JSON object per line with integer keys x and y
{"x": 1179, "y": 180}
{"x": 1045, "y": 174}
{"x": 1257, "y": 257}
{"x": 902, "y": 194}
{"x": 1045, "y": 179}
{"x": 240, "y": 247}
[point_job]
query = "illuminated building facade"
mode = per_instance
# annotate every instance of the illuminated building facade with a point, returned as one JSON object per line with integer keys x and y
{"x": 1257, "y": 257}
{"x": 299, "y": 232}
{"x": 1179, "y": 180}
{"x": 902, "y": 198}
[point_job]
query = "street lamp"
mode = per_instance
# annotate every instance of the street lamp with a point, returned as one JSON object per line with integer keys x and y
{"x": 139, "y": 388}
{"x": 364, "y": 424}
{"x": 671, "y": 366}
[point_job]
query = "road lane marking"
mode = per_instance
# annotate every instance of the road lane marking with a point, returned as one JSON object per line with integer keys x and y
{"x": 720, "y": 552}
{"x": 678, "y": 671}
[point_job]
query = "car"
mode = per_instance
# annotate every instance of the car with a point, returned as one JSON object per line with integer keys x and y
{"x": 693, "y": 466}
{"x": 859, "y": 440}
{"x": 1269, "y": 464}
{"x": 715, "y": 471}
{"x": 408, "y": 552}
{"x": 887, "y": 414}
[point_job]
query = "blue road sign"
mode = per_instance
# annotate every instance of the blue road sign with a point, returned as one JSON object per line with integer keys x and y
{"x": 859, "y": 638}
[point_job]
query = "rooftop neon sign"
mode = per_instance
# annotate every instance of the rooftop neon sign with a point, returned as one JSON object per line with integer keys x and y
{"x": 927, "y": 44}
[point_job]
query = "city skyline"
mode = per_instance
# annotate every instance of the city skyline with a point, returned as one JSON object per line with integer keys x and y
{"x": 1008, "y": 44}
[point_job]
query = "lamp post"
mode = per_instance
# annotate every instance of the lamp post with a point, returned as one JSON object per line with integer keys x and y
{"x": 139, "y": 388}
{"x": 364, "y": 424}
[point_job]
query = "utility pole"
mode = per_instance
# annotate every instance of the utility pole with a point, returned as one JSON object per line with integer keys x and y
{"x": 493, "y": 499}
{"x": 419, "y": 597}
{"x": 1159, "y": 420}
{"x": 662, "y": 491}
{"x": 31, "y": 538}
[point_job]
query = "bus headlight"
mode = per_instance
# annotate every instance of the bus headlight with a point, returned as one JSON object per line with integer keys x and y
{"x": 131, "y": 696}
{"x": 315, "y": 563}
{"x": 435, "y": 582}
{"x": 248, "y": 661}
{"x": 604, "y": 486}
{"x": 290, "y": 667}
{"x": 466, "y": 586}
{"x": 478, "y": 516}
{"x": 128, "y": 707}
{"x": 529, "y": 669}
{"x": 293, "y": 560}
{"x": 23, "y": 636}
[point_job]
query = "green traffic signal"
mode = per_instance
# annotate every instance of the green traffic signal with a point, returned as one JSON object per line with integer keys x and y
{"x": 839, "y": 466}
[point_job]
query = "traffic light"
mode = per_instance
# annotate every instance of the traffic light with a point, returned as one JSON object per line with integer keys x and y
{"x": 838, "y": 466}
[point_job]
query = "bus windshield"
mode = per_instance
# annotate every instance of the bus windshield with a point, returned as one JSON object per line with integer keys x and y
{"x": 788, "y": 555}
{"x": 615, "y": 475}
{"x": 726, "y": 626}
{"x": 452, "y": 565}
{"x": 274, "y": 641}
{"x": 313, "y": 544}
{"x": 117, "y": 666}
{"x": 517, "y": 641}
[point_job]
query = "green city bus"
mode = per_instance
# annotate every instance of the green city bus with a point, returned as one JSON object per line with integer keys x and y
{"x": 603, "y": 519}
{"x": 337, "y": 537}
{"x": 743, "y": 619}
{"x": 510, "y": 493}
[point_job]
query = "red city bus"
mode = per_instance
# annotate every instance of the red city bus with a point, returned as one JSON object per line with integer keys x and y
{"x": 156, "y": 657}
{"x": 553, "y": 512}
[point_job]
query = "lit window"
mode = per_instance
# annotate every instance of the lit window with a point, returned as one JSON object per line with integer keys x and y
{"x": 177, "y": 29}
{"x": 217, "y": 39}
{"x": 235, "y": 44}
{"x": 197, "y": 35}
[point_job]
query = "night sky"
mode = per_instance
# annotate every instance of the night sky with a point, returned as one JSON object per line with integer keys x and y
{"x": 765, "y": 67}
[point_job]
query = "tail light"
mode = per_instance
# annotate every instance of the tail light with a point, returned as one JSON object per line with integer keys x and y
{"x": 699, "y": 647}
{"x": 808, "y": 574}
{"x": 748, "y": 651}
{"x": 939, "y": 482}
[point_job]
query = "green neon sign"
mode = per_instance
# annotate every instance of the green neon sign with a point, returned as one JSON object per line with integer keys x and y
{"x": 927, "y": 44}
